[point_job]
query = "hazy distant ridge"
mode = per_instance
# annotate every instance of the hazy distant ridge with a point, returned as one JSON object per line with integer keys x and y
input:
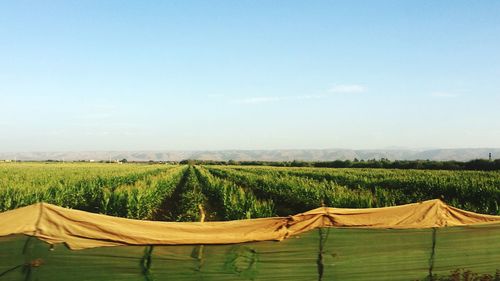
{"x": 464, "y": 154}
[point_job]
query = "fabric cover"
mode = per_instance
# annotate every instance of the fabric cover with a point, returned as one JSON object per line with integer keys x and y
{"x": 81, "y": 230}
{"x": 346, "y": 254}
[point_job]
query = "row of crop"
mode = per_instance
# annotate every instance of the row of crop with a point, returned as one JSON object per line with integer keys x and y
{"x": 232, "y": 201}
{"x": 41, "y": 176}
{"x": 470, "y": 190}
{"x": 298, "y": 194}
{"x": 187, "y": 200}
{"x": 142, "y": 199}
{"x": 129, "y": 195}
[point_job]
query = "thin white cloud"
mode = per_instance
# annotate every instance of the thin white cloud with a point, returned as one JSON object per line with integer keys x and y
{"x": 97, "y": 133}
{"x": 443, "y": 95}
{"x": 96, "y": 116}
{"x": 97, "y": 112}
{"x": 336, "y": 89}
{"x": 269, "y": 99}
{"x": 310, "y": 97}
{"x": 255, "y": 100}
{"x": 347, "y": 89}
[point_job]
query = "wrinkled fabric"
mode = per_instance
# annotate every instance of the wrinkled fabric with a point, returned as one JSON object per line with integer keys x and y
{"x": 81, "y": 230}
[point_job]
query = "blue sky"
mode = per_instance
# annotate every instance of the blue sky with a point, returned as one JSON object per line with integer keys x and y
{"x": 161, "y": 75}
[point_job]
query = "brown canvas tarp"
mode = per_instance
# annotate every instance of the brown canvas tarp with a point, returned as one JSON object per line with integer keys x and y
{"x": 80, "y": 230}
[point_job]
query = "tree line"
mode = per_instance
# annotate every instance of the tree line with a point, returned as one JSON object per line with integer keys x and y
{"x": 383, "y": 163}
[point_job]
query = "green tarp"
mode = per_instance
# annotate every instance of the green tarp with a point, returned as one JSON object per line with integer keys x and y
{"x": 320, "y": 254}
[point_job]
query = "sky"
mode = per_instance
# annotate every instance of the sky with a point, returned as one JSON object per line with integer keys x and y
{"x": 215, "y": 75}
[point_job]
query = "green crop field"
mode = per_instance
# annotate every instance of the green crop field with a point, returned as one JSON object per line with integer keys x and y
{"x": 178, "y": 192}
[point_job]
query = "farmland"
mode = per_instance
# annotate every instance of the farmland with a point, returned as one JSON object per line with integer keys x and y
{"x": 178, "y": 192}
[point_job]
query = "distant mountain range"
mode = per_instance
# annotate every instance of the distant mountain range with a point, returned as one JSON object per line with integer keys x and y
{"x": 462, "y": 154}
